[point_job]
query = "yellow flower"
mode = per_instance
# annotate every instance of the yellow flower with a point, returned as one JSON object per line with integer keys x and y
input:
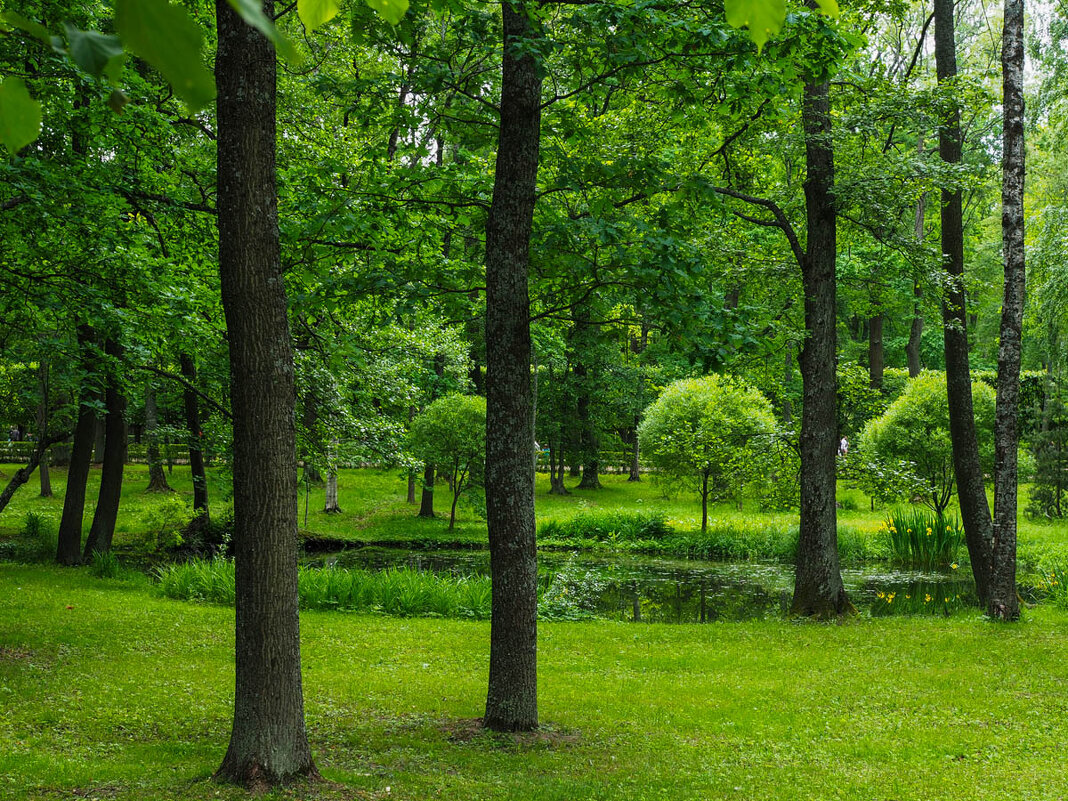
{"x": 927, "y": 598}
{"x": 928, "y": 531}
{"x": 880, "y": 595}
{"x": 909, "y": 531}
{"x": 947, "y": 600}
{"x": 954, "y": 565}
{"x": 948, "y": 528}
{"x": 907, "y": 597}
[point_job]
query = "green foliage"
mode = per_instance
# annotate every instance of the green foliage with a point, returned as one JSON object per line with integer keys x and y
{"x": 608, "y": 525}
{"x": 39, "y": 535}
{"x": 164, "y": 522}
{"x": 858, "y": 401}
{"x": 392, "y": 11}
{"x": 1052, "y": 582}
{"x": 451, "y": 434}
{"x": 923, "y": 539}
{"x": 573, "y": 593}
{"x": 166, "y": 37}
{"x": 713, "y": 434}
{"x": 763, "y": 18}
{"x": 1049, "y": 493}
{"x": 913, "y": 434}
{"x": 20, "y": 115}
{"x": 316, "y": 13}
{"x": 105, "y": 564}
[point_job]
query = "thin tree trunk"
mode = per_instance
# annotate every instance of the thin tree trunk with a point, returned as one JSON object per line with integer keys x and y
{"x": 102, "y": 530}
{"x": 42, "y": 429}
{"x": 331, "y": 505}
{"x": 876, "y": 359}
{"x": 512, "y": 696}
{"x": 704, "y": 502}
{"x": 268, "y": 742}
{"x": 69, "y": 549}
{"x": 1003, "y": 603}
{"x": 912, "y": 349}
{"x": 635, "y": 454}
{"x": 411, "y": 475}
{"x": 971, "y": 490}
{"x": 22, "y": 475}
{"x": 192, "y": 422}
{"x": 157, "y": 477}
{"x": 818, "y": 588}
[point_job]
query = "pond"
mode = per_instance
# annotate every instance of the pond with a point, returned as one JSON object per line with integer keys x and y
{"x": 662, "y": 590}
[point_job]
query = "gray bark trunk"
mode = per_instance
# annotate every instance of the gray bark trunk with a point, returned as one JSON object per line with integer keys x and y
{"x": 268, "y": 742}
{"x": 818, "y": 588}
{"x": 512, "y": 696}
{"x": 1003, "y": 603}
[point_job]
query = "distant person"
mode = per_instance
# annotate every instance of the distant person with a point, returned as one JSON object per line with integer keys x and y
{"x": 843, "y": 448}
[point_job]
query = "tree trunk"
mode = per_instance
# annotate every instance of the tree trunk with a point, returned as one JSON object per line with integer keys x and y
{"x": 876, "y": 359}
{"x": 635, "y": 454}
{"x": 556, "y": 469}
{"x": 106, "y": 513}
{"x": 37, "y": 456}
{"x": 157, "y": 477}
{"x": 42, "y": 429}
{"x": 971, "y": 490}
{"x": 704, "y": 503}
{"x": 331, "y": 505}
{"x": 69, "y": 549}
{"x": 426, "y": 501}
{"x": 1003, "y": 603}
{"x": 818, "y": 588}
{"x": 268, "y": 743}
{"x": 411, "y": 475}
{"x": 192, "y": 422}
{"x": 512, "y": 696}
{"x": 912, "y": 347}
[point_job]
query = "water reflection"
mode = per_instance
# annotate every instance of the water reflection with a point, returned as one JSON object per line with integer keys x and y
{"x": 650, "y": 589}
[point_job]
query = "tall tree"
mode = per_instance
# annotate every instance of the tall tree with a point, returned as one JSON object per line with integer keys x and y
{"x": 192, "y": 422}
{"x": 69, "y": 548}
{"x": 157, "y": 477}
{"x": 1003, "y": 603}
{"x": 818, "y": 588}
{"x": 971, "y": 490}
{"x": 512, "y": 697}
{"x": 268, "y": 742}
{"x": 102, "y": 529}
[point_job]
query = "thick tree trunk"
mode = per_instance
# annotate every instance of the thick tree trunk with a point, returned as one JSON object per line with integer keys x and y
{"x": 971, "y": 490}
{"x": 818, "y": 588}
{"x": 196, "y": 435}
{"x": 157, "y": 477}
{"x": 1003, "y": 603}
{"x": 512, "y": 697}
{"x": 268, "y": 743}
{"x": 876, "y": 360}
{"x": 69, "y": 549}
{"x": 102, "y": 530}
{"x": 426, "y": 501}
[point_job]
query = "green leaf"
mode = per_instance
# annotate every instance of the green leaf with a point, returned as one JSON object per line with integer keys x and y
{"x": 315, "y": 13}
{"x": 392, "y": 11}
{"x": 763, "y": 18}
{"x": 20, "y": 115}
{"x": 251, "y": 11}
{"x": 91, "y": 50}
{"x": 829, "y": 7}
{"x": 34, "y": 29}
{"x": 167, "y": 38}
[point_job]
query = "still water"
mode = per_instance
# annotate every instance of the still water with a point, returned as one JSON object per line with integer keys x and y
{"x": 664, "y": 590}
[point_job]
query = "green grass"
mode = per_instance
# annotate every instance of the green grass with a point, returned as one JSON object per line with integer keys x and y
{"x": 109, "y": 692}
{"x": 374, "y": 511}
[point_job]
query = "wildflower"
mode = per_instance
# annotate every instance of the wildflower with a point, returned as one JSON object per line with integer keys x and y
{"x": 927, "y": 598}
{"x": 954, "y": 565}
{"x": 928, "y": 531}
{"x": 947, "y": 600}
{"x": 948, "y": 528}
{"x": 880, "y": 595}
{"x": 907, "y": 596}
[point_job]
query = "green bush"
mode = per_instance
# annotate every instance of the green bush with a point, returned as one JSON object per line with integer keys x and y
{"x": 39, "y": 536}
{"x": 923, "y": 539}
{"x": 105, "y": 565}
{"x": 608, "y": 525}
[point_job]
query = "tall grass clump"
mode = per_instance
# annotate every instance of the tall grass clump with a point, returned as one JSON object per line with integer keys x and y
{"x": 39, "y": 537}
{"x": 401, "y": 592}
{"x": 607, "y": 525}
{"x": 923, "y": 539}
{"x": 105, "y": 565}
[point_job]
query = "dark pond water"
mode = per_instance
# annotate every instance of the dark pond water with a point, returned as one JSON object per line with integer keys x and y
{"x": 652, "y": 589}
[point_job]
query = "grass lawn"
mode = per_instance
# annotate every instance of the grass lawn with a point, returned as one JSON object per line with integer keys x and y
{"x": 374, "y": 510}
{"x": 109, "y": 692}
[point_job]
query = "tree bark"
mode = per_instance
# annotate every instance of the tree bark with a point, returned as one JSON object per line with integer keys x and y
{"x": 912, "y": 347}
{"x": 331, "y": 505}
{"x": 268, "y": 742}
{"x": 42, "y": 429}
{"x": 192, "y": 422}
{"x": 971, "y": 490}
{"x": 69, "y": 549}
{"x": 157, "y": 477}
{"x": 512, "y": 696}
{"x": 876, "y": 360}
{"x": 102, "y": 529}
{"x": 635, "y": 454}
{"x": 818, "y": 588}
{"x": 1004, "y": 603}
{"x": 426, "y": 500}
{"x": 22, "y": 475}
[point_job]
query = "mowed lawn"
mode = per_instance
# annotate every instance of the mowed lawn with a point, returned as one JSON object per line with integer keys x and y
{"x": 109, "y": 692}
